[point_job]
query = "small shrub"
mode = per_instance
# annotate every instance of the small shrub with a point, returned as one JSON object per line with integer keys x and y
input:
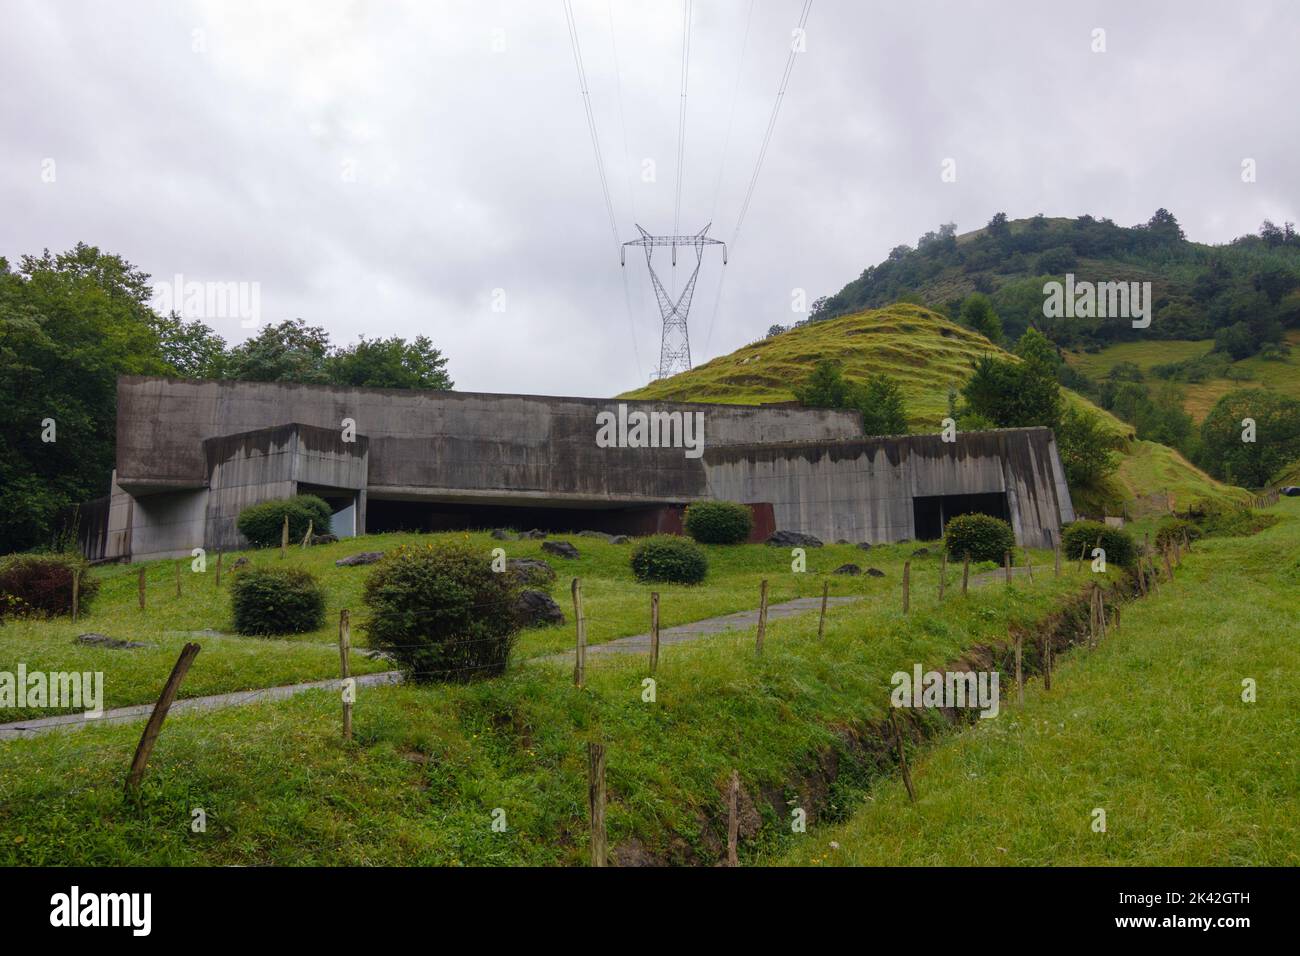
{"x": 669, "y": 559}
{"x": 1236, "y": 522}
{"x": 1081, "y": 535}
{"x": 719, "y": 522}
{"x": 982, "y": 537}
{"x": 41, "y": 584}
{"x": 442, "y": 613}
{"x": 263, "y": 523}
{"x": 276, "y": 600}
{"x": 1171, "y": 530}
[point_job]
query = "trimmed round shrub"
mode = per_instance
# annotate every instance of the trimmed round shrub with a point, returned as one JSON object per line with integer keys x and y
{"x": 1082, "y": 536}
{"x": 441, "y": 612}
{"x": 263, "y": 523}
{"x": 719, "y": 522}
{"x": 980, "y": 537}
{"x": 276, "y": 600}
{"x": 1171, "y": 530}
{"x": 669, "y": 559}
{"x": 41, "y": 584}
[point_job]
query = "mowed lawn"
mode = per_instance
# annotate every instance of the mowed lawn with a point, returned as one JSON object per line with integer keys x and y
{"x": 432, "y": 768}
{"x": 614, "y": 603}
{"x": 1150, "y": 727}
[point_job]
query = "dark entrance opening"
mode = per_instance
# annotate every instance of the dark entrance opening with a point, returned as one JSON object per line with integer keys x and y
{"x": 931, "y": 513}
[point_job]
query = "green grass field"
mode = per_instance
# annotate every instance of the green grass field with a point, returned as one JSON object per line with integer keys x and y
{"x": 430, "y": 765}
{"x": 1150, "y": 726}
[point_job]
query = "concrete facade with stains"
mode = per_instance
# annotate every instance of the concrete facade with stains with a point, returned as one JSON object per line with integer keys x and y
{"x": 192, "y": 455}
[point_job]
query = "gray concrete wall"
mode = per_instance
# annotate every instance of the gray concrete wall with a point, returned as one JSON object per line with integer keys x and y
{"x": 448, "y": 445}
{"x": 862, "y": 490}
{"x": 168, "y": 525}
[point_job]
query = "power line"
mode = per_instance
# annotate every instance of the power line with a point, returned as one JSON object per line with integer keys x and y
{"x": 771, "y": 123}
{"x": 600, "y": 156}
{"x": 681, "y": 127}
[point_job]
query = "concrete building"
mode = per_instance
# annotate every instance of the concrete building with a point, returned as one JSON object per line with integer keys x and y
{"x": 192, "y": 455}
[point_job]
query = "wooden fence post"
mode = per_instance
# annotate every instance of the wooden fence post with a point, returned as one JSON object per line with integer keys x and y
{"x": 654, "y": 631}
{"x": 580, "y": 661}
{"x": 821, "y": 623}
{"x": 965, "y": 572}
{"x": 943, "y": 575}
{"x": 154, "y": 727}
{"x": 907, "y": 586}
{"x": 1029, "y": 564}
{"x": 902, "y": 756}
{"x": 1047, "y": 662}
{"x": 762, "y": 615}
{"x": 1006, "y": 565}
{"x": 1101, "y": 614}
{"x": 218, "y": 569}
{"x": 596, "y": 801}
{"x": 1178, "y": 553}
{"x": 76, "y": 593}
{"x": 178, "y": 578}
{"x": 140, "y": 587}
{"x": 1168, "y": 567}
{"x": 284, "y": 537}
{"x": 1082, "y": 555}
{"x": 345, "y": 646}
{"x": 311, "y": 526}
{"x": 733, "y": 818}
{"x": 1056, "y": 558}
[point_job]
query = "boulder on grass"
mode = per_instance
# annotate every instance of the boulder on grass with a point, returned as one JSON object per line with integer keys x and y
{"x": 537, "y": 609}
{"x": 560, "y": 549}
{"x": 847, "y": 569}
{"x": 793, "y": 539}
{"x": 365, "y": 557}
{"x": 534, "y": 535}
{"x": 323, "y": 539}
{"x": 530, "y": 572}
{"x": 865, "y": 545}
{"x": 875, "y": 573}
{"x": 111, "y": 643}
{"x": 921, "y": 553}
{"x": 501, "y": 534}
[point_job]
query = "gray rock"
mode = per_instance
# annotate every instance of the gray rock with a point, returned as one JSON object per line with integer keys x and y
{"x": 793, "y": 539}
{"x": 875, "y": 573}
{"x": 865, "y": 545}
{"x": 534, "y": 535}
{"x": 596, "y": 534}
{"x": 921, "y": 553}
{"x": 847, "y": 569}
{"x": 619, "y": 539}
{"x": 365, "y": 557}
{"x": 241, "y": 563}
{"x": 841, "y": 540}
{"x": 536, "y": 608}
{"x": 530, "y": 571}
{"x": 501, "y": 534}
{"x": 323, "y": 539}
{"x": 560, "y": 549}
{"x": 111, "y": 643}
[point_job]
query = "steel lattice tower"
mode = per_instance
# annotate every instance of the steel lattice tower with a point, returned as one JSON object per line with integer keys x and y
{"x": 675, "y": 345}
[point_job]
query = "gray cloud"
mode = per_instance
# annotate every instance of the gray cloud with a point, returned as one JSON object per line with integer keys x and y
{"x": 473, "y": 170}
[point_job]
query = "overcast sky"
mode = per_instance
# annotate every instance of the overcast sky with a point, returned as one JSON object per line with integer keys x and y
{"x": 382, "y": 168}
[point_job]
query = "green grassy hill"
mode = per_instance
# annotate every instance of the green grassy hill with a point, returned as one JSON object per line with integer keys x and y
{"x": 927, "y": 355}
{"x": 1280, "y": 374}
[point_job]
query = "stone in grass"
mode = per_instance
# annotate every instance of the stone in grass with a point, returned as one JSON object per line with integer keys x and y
{"x": 534, "y": 535}
{"x": 323, "y": 539}
{"x": 110, "y": 643}
{"x": 365, "y": 557}
{"x": 847, "y": 569}
{"x": 865, "y": 545}
{"x": 530, "y": 571}
{"x": 875, "y": 573}
{"x": 793, "y": 539}
{"x": 560, "y": 549}
{"x": 921, "y": 553}
{"x": 501, "y": 534}
{"x": 240, "y": 563}
{"x": 537, "y": 609}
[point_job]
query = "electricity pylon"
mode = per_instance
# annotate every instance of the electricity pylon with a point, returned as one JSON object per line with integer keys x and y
{"x": 675, "y": 346}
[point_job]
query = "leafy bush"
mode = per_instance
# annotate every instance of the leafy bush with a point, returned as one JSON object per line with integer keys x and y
{"x": 262, "y": 523}
{"x": 1172, "y": 530}
{"x": 1236, "y": 522}
{"x": 670, "y": 559}
{"x": 1081, "y": 535}
{"x": 41, "y": 584}
{"x": 718, "y": 522}
{"x": 276, "y": 600}
{"x": 441, "y": 612}
{"x": 982, "y": 537}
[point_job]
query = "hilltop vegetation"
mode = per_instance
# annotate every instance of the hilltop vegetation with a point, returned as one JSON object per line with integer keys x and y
{"x": 1243, "y": 295}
